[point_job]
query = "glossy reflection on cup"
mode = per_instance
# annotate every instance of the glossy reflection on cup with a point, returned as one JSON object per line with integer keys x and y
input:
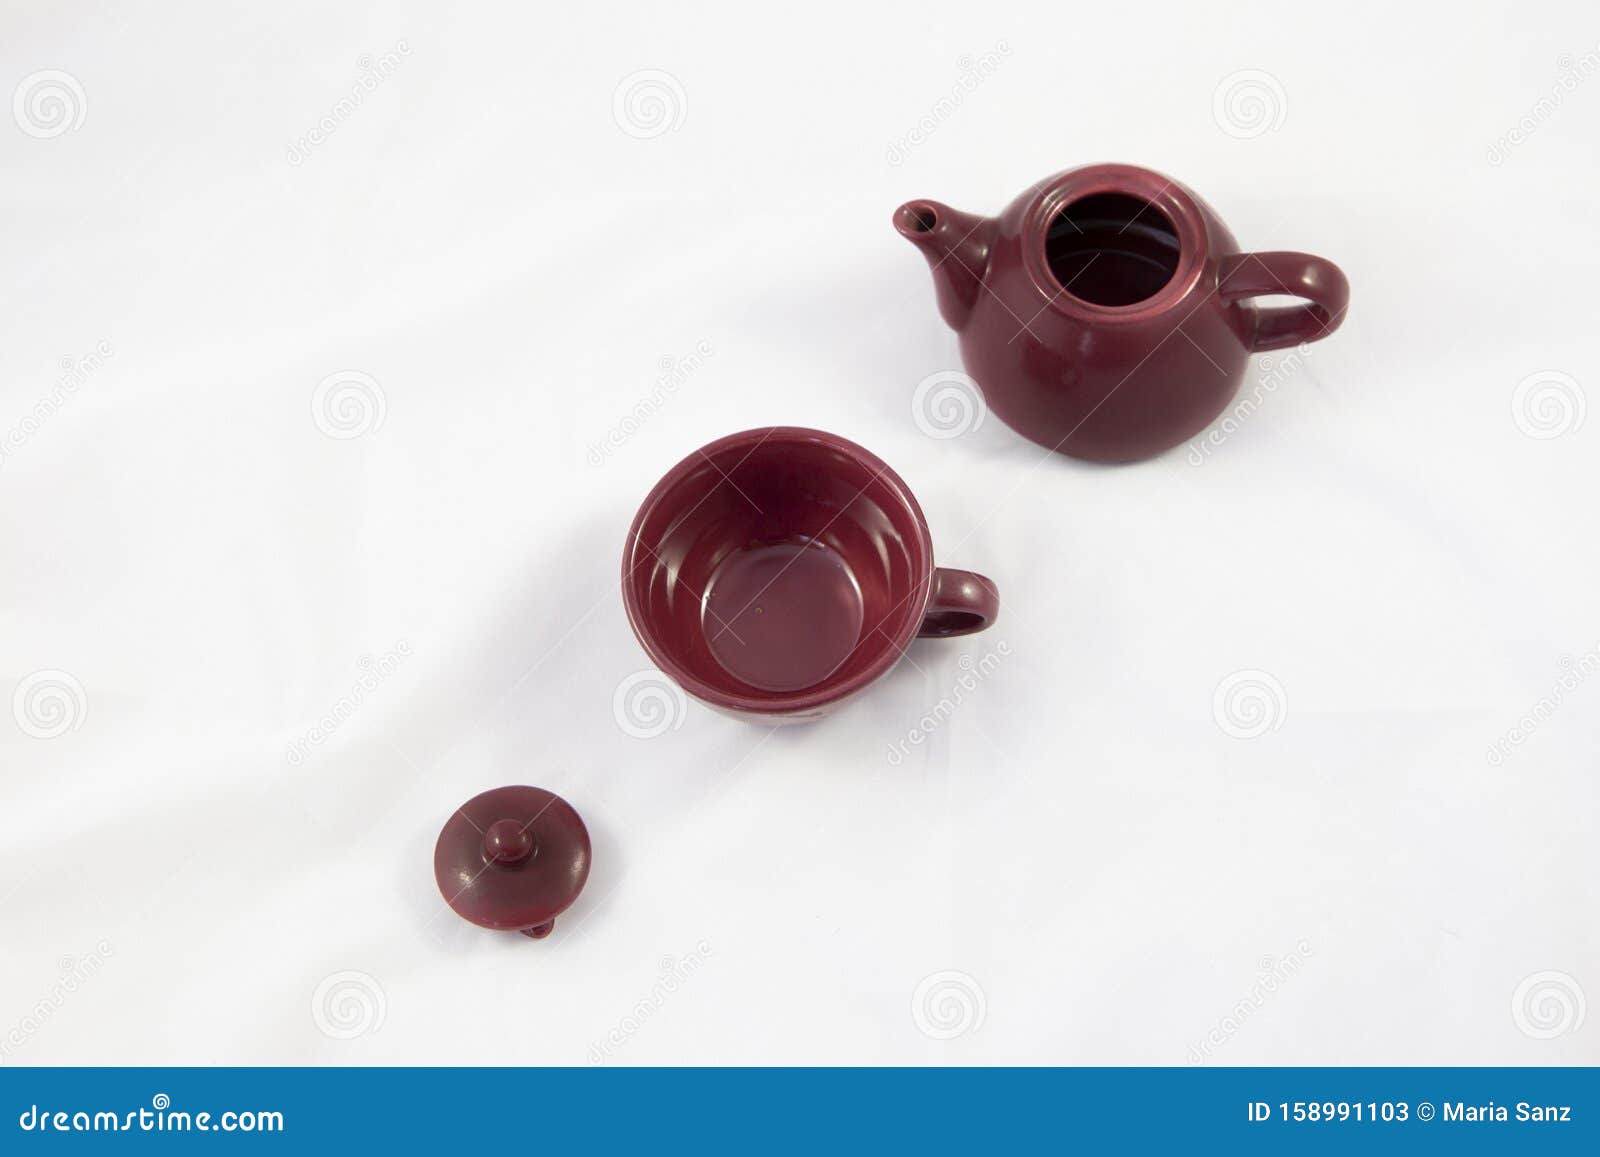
{"x": 778, "y": 571}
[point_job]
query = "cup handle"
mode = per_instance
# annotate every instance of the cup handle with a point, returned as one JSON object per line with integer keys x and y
{"x": 962, "y": 603}
{"x": 1326, "y": 293}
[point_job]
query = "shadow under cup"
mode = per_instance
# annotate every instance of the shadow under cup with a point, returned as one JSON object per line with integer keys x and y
{"x": 778, "y": 569}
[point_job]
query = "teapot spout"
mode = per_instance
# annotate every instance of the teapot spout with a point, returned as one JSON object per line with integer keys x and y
{"x": 956, "y": 245}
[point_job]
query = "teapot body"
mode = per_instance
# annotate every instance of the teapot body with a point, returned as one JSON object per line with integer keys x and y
{"x": 1106, "y": 313}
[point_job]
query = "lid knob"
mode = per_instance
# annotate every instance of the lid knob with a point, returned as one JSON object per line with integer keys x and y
{"x": 507, "y": 842}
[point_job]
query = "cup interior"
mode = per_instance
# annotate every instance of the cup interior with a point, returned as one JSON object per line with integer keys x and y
{"x": 777, "y": 565}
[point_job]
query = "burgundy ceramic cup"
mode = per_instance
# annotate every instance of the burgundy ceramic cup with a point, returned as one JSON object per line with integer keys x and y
{"x": 777, "y": 572}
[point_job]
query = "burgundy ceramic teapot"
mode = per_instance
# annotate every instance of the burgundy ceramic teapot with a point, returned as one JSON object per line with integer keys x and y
{"x": 1107, "y": 312}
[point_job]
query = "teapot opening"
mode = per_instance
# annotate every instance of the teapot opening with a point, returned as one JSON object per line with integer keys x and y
{"x": 916, "y": 217}
{"x": 1112, "y": 249}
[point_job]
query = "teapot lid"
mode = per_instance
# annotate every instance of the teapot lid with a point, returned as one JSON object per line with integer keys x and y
{"x": 512, "y": 858}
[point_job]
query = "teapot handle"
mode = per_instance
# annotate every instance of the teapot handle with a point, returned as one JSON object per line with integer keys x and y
{"x": 960, "y": 603}
{"x": 1326, "y": 293}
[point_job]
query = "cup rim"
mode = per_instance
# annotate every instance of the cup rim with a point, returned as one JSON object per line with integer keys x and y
{"x": 810, "y": 698}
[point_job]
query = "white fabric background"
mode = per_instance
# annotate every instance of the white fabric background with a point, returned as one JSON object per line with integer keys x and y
{"x": 1108, "y": 869}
